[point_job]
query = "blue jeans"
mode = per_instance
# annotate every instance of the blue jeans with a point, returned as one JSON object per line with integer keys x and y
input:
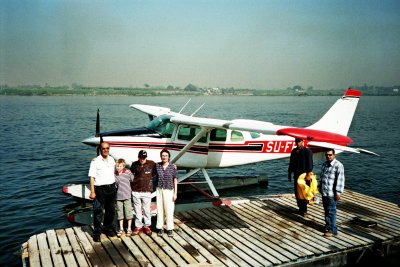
{"x": 330, "y": 214}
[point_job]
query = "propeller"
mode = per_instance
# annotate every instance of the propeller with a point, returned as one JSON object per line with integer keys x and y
{"x": 98, "y": 131}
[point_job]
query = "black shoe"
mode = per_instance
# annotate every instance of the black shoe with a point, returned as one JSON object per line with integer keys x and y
{"x": 160, "y": 232}
{"x": 109, "y": 233}
{"x": 96, "y": 238}
{"x": 170, "y": 233}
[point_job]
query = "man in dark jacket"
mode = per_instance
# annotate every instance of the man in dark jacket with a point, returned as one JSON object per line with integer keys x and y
{"x": 301, "y": 161}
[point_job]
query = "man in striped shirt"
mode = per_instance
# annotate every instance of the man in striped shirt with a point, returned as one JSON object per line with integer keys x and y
{"x": 331, "y": 187}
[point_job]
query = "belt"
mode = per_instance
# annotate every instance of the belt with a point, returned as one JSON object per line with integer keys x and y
{"x": 106, "y": 185}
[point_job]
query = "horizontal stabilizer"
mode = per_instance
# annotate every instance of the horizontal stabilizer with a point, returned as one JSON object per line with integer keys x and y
{"x": 315, "y": 135}
{"x": 340, "y": 148}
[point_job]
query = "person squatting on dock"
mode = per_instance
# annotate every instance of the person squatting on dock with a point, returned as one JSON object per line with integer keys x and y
{"x": 301, "y": 161}
{"x": 103, "y": 191}
{"x": 123, "y": 178}
{"x": 331, "y": 185}
{"x": 166, "y": 193}
{"x": 143, "y": 171}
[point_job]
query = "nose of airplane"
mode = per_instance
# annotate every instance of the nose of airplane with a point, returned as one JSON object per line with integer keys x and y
{"x": 92, "y": 141}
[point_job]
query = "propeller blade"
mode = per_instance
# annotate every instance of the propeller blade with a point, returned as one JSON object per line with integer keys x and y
{"x": 98, "y": 131}
{"x": 98, "y": 124}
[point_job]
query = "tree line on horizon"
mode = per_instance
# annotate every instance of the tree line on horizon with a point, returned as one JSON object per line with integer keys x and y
{"x": 190, "y": 89}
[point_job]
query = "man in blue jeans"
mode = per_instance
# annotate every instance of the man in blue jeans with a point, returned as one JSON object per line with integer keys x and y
{"x": 331, "y": 186}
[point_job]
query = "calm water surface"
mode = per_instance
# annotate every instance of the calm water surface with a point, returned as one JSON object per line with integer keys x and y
{"x": 42, "y": 150}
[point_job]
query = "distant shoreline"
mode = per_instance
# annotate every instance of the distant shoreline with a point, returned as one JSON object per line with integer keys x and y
{"x": 99, "y": 91}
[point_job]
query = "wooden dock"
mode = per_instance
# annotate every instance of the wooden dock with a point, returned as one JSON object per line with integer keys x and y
{"x": 263, "y": 231}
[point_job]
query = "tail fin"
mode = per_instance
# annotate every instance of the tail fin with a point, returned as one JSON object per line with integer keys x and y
{"x": 339, "y": 116}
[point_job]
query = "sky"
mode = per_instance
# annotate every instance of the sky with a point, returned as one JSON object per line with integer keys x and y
{"x": 209, "y": 43}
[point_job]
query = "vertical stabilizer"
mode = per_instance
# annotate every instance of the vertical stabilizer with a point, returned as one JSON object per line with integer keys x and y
{"x": 339, "y": 116}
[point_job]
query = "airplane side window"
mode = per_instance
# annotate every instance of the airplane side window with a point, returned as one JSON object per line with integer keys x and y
{"x": 169, "y": 129}
{"x": 236, "y": 136}
{"x": 254, "y": 135}
{"x": 218, "y": 135}
{"x": 184, "y": 133}
{"x": 203, "y": 139}
{"x": 188, "y": 133}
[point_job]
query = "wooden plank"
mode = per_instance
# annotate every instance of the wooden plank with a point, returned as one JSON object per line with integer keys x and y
{"x": 237, "y": 247}
{"x": 246, "y": 232}
{"x": 79, "y": 253}
{"x": 345, "y": 232}
{"x": 33, "y": 251}
{"x": 112, "y": 252}
{"x": 183, "y": 250}
{"x": 376, "y": 201}
{"x": 55, "y": 249}
{"x": 315, "y": 239}
{"x": 263, "y": 240}
{"x": 45, "y": 257}
{"x": 315, "y": 243}
{"x": 221, "y": 245}
{"x": 99, "y": 248}
{"x": 279, "y": 243}
{"x": 299, "y": 224}
{"x": 66, "y": 249}
{"x": 163, "y": 255}
{"x": 296, "y": 237}
{"x": 147, "y": 251}
{"x": 213, "y": 255}
{"x": 161, "y": 241}
{"x": 134, "y": 249}
{"x": 187, "y": 247}
{"x": 342, "y": 237}
{"x": 339, "y": 243}
{"x": 123, "y": 250}
{"x": 235, "y": 232}
{"x": 86, "y": 245}
{"x": 388, "y": 221}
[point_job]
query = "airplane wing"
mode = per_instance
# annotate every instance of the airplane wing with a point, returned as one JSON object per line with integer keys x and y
{"x": 240, "y": 124}
{"x": 202, "y": 122}
{"x": 152, "y": 110}
{"x": 341, "y": 148}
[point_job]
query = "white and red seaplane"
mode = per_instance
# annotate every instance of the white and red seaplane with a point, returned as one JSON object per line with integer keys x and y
{"x": 197, "y": 144}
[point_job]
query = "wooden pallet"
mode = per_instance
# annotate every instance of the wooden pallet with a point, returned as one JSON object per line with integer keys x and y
{"x": 265, "y": 231}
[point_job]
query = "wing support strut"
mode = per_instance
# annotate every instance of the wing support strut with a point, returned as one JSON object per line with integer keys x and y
{"x": 203, "y": 131}
{"x": 190, "y": 144}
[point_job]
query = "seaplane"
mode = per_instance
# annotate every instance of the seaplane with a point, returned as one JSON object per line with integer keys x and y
{"x": 197, "y": 144}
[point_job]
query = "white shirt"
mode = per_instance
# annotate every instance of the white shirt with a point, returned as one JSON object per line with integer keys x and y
{"x": 102, "y": 170}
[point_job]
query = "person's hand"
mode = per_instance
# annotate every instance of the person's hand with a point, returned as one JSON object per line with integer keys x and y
{"x": 308, "y": 176}
{"x": 92, "y": 195}
{"x": 337, "y": 197}
{"x": 174, "y": 197}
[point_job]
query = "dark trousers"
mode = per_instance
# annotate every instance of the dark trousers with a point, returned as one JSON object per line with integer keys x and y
{"x": 106, "y": 196}
{"x": 301, "y": 203}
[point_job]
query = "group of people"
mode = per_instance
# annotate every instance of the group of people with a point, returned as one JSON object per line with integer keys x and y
{"x": 113, "y": 189}
{"x": 331, "y": 183}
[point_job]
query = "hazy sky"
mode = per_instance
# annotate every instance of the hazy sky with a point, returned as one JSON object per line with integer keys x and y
{"x": 226, "y": 43}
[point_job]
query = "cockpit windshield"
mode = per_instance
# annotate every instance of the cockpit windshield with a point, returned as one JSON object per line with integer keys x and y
{"x": 162, "y": 125}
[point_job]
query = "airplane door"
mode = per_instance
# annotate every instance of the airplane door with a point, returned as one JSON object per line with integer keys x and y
{"x": 196, "y": 156}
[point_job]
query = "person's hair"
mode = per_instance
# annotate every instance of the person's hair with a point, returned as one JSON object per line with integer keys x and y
{"x": 166, "y": 151}
{"x": 119, "y": 161}
{"x": 330, "y": 149}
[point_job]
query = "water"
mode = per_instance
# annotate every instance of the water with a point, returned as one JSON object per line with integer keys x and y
{"x": 42, "y": 150}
